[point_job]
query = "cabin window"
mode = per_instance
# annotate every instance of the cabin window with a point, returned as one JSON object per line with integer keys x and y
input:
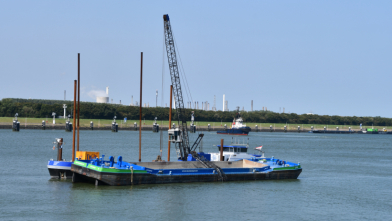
{"x": 234, "y": 149}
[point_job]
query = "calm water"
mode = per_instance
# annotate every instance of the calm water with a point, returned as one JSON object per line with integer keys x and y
{"x": 345, "y": 177}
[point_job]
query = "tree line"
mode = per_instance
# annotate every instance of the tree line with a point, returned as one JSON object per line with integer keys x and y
{"x": 35, "y": 108}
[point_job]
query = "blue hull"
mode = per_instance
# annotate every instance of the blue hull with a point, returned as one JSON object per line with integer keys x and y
{"x": 241, "y": 131}
{"x": 59, "y": 169}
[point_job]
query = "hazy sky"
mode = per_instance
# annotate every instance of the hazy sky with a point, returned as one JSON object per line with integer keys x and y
{"x": 325, "y": 57}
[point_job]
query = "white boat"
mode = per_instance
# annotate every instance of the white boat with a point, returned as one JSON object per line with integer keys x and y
{"x": 236, "y": 151}
{"x": 237, "y": 127}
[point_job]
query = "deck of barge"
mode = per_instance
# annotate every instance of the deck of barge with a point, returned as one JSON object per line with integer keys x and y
{"x": 196, "y": 164}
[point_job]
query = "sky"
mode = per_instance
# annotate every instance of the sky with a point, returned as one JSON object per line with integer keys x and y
{"x": 324, "y": 57}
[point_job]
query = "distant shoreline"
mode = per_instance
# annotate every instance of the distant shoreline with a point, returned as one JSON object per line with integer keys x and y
{"x": 104, "y": 113}
{"x": 104, "y": 124}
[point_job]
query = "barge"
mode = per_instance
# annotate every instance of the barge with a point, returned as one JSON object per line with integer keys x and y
{"x": 60, "y": 168}
{"x": 333, "y": 131}
{"x": 370, "y": 131}
{"x": 121, "y": 173}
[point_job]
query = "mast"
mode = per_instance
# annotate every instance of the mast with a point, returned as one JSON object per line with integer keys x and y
{"x": 74, "y": 123}
{"x": 140, "y": 110}
{"x": 170, "y": 121}
{"x": 78, "y": 98}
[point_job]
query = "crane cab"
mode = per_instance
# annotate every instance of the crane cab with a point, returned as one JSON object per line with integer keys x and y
{"x": 175, "y": 135}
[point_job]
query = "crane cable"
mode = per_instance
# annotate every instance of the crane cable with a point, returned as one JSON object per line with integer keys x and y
{"x": 186, "y": 86}
{"x": 182, "y": 67}
{"x": 163, "y": 66}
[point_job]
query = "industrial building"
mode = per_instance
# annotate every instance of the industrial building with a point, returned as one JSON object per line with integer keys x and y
{"x": 104, "y": 99}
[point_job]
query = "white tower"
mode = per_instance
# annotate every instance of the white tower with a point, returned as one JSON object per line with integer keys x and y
{"x": 54, "y": 116}
{"x": 107, "y": 91}
{"x": 65, "y": 107}
{"x": 223, "y": 103}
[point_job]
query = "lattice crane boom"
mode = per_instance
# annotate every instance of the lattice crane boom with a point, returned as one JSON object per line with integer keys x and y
{"x": 175, "y": 79}
{"x": 180, "y": 135}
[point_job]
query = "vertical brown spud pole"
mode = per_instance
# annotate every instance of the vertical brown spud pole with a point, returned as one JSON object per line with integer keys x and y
{"x": 170, "y": 114}
{"x": 221, "y": 151}
{"x": 73, "y": 125}
{"x": 78, "y": 97}
{"x": 140, "y": 110}
{"x": 60, "y": 150}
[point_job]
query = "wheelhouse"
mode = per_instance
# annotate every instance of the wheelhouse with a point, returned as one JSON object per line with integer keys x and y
{"x": 233, "y": 149}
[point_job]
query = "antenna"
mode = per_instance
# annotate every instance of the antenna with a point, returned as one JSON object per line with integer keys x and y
{"x": 156, "y": 102}
{"x": 214, "y": 103}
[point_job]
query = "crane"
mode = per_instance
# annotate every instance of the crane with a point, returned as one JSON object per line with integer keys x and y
{"x": 179, "y": 135}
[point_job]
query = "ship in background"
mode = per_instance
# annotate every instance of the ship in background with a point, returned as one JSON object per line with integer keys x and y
{"x": 237, "y": 127}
